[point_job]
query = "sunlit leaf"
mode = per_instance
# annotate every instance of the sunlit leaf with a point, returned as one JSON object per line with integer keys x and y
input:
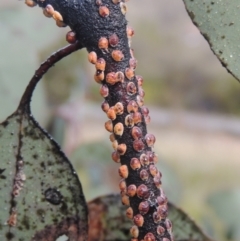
{"x": 108, "y": 222}
{"x": 219, "y": 23}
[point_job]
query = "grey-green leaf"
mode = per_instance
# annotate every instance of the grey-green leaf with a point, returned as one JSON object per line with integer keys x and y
{"x": 108, "y": 222}
{"x": 40, "y": 194}
{"x": 184, "y": 228}
{"x": 219, "y": 23}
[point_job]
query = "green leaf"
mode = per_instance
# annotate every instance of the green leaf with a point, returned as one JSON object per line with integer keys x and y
{"x": 40, "y": 193}
{"x": 184, "y": 228}
{"x": 219, "y": 23}
{"x": 108, "y": 222}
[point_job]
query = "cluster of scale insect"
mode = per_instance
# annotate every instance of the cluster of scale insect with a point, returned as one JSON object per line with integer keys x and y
{"x": 145, "y": 163}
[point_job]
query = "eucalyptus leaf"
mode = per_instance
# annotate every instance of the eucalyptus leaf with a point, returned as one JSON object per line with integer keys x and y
{"x": 40, "y": 194}
{"x": 108, "y": 222}
{"x": 219, "y": 23}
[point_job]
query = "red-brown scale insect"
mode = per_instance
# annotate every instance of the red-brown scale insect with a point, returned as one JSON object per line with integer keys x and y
{"x": 99, "y": 77}
{"x": 112, "y": 137}
{"x": 113, "y": 40}
{"x": 57, "y": 16}
{"x": 153, "y": 170}
{"x": 104, "y": 91}
{"x": 131, "y": 190}
{"x": 144, "y": 207}
{"x": 141, "y": 92}
{"x": 116, "y": 1}
{"x": 30, "y": 3}
{"x": 123, "y": 7}
{"x": 149, "y": 237}
{"x": 105, "y": 106}
{"x": 118, "y": 129}
{"x": 49, "y": 9}
{"x": 71, "y": 38}
{"x": 138, "y": 220}
{"x": 144, "y": 159}
{"x": 133, "y": 63}
{"x": 103, "y": 43}
{"x": 119, "y": 109}
{"x": 150, "y": 140}
{"x": 145, "y": 111}
{"x": 121, "y": 149}
{"x": 144, "y": 175}
{"x": 111, "y": 114}
{"x": 100, "y": 64}
{"x": 129, "y": 72}
{"x": 140, "y": 100}
{"x": 132, "y": 106}
{"x": 143, "y": 191}
{"x": 138, "y": 145}
{"x": 111, "y": 78}
{"x": 134, "y": 231}
{"x": 129, "y": 213}
{"x": 130, "y": 31}
{"x": 92, "y": 56}
{"x": 125, "y": 200}
{"x": 117, "y": 55}
{"x": 131, "y": 88}
{"x": 123, "y": 185}
{"x": 135, "y": 163}
{"x": 136, "y": 133}
{"x": 119, "y": 76}
{"x": 46, "y": 14}
{"x": 137, "y": 117}
{"x": 129, "y": 122}
{"x": 116, "y": 156}
{"x": 115, "y": 144}
{"x": 109, "y": 126}
{"x": 160, "y": 230}
{"x": 104, "y": 11}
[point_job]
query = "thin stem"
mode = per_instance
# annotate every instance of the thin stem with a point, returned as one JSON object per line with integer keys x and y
{"x": 44, "y": 67}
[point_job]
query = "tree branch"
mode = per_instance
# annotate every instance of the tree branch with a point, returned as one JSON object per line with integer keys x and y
{"x": 101, "y": 27}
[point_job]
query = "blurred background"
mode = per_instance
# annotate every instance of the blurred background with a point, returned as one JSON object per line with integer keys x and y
{"x": 194, "y": 105}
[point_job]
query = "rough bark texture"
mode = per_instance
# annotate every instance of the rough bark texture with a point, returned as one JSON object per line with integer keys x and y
{"x": 101, "y": 27}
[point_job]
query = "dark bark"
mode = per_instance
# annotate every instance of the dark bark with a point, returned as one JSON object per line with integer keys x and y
{"x": 96, "y": 24}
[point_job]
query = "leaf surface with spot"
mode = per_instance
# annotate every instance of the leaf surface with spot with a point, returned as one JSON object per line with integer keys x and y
{"x": 108, "y": 222}
{"x": 219, "y": 23}
{"x": 40, "y": 194}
